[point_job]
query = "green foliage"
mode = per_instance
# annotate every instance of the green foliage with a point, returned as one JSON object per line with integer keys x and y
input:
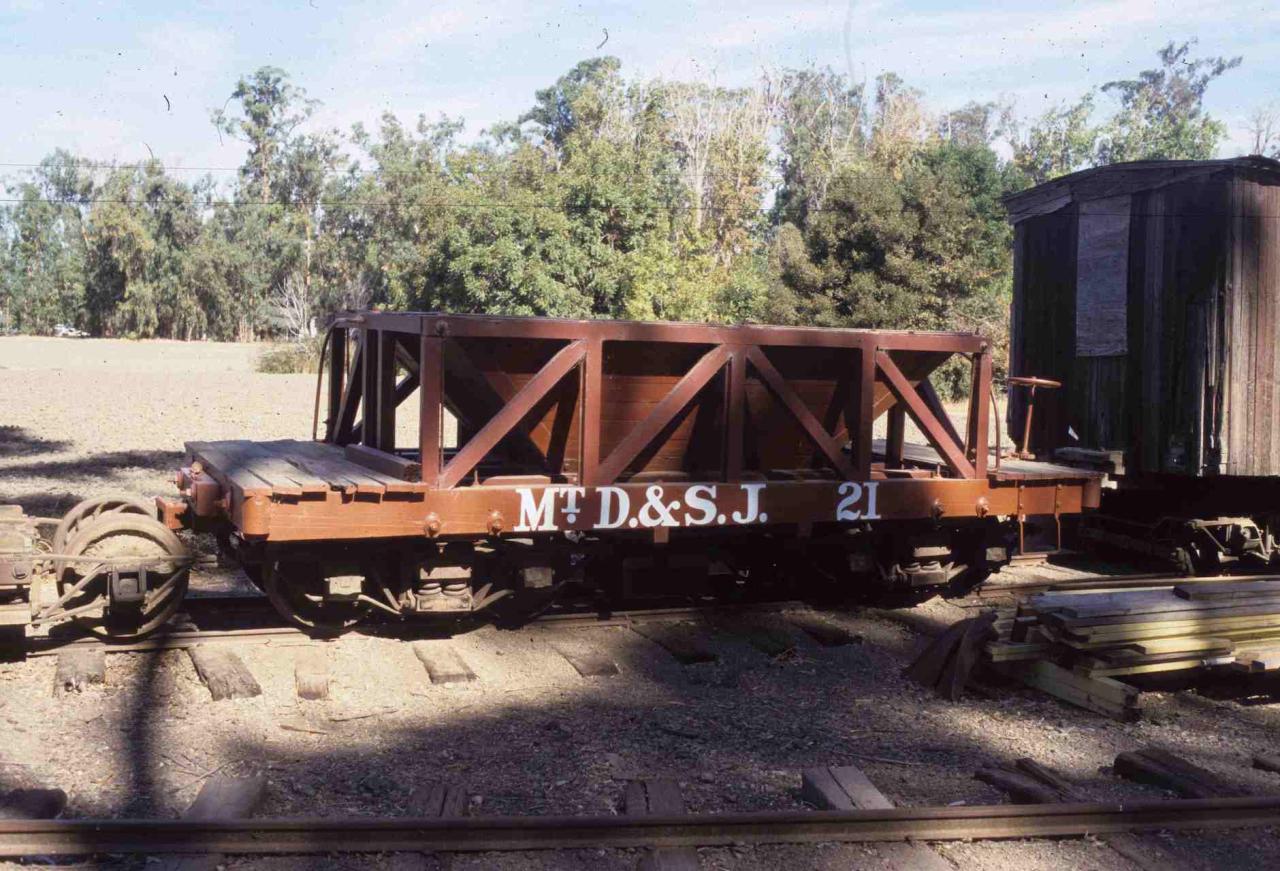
{"x": 1161, "y": 114}
{"x": 290, "y": 358}
{"x": 271, "y": 108}
{"x": 1060, "y": 141}
{"x": 901, "y": 254}
{"x": 805, "y": 199}
{"x": 822, "y": 126}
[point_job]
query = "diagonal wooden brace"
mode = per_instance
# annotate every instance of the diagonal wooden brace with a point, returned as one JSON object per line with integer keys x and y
{"x": 509, "y": 417}
{"x": 943, "y": 441}
{"x": 662, "y": 414}
{"x": 830, "y": 446}
{"x": 340, "y": 428}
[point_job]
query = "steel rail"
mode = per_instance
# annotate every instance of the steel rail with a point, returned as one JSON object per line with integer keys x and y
{"x": 180, "y": 639}
{"x": 361, "y": 835}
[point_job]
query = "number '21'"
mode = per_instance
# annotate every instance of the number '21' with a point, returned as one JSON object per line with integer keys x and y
{"x": 852, "y": 493}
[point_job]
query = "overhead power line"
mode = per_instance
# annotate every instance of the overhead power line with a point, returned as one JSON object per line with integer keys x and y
{"x": 495, "y": 205}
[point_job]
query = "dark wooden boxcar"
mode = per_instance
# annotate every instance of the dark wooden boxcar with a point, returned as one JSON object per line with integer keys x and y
{"x": 1151, "y": 291}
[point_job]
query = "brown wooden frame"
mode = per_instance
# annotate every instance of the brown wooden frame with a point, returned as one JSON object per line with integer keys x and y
{"x": 355, "y": 485}
{"x": 384, "y": 338}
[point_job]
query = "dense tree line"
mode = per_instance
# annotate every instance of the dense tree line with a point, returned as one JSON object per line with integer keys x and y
{"x": 805, "y": 198}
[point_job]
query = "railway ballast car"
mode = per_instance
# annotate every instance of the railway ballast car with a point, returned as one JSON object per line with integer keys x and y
{"x": 1150, "y": 292}
{"x": 467, "y": 460}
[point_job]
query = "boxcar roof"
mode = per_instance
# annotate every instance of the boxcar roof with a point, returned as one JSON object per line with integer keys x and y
{"x": 1123, "y": 178}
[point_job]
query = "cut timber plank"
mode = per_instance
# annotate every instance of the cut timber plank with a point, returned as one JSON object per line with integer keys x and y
{"x": 659, "y": 796}
{"x": 442, "y": 662}
{"x": 1099, "y": 604}
{"x": 926, "y": 669}
{"x": 223, "y": 672}
{"x": 329, "y": 462}
{"x": 955, "y": 676}
{"x": 1243, "y": 589}
{"x": 1217, "y": 627}
{"x": 384, "y": 463}
{"x": 266, "y": 462}
{"x": 433, "y": 800}
{"x": 584, "y": 655}
{"x": 1015, "y": 651}
{"x": 1101, "y": 695}
{"x": 1266, "y": 762}
{"x": 78, "y": 669}
{"x": 684, "y": 641}
{"x": 1022, "y": 788}
{"x": 1157, "y": 767}
{"x": 311, "y": 674}
{"x": 844, "y": 788}
{"x": 437, "y": 800}
{"x": 220, "y": 798}
{"x": 31, "y": 804}
{"x": 822, "y": 631}
{"x": 1049, "y": 778}
{"x": 1258, "y": 660}
{"x": 1101, "y": 671}
{"x": 1182, "y": 645}
{"x": 1198, "y": 613}
{"x": 1051, "y": 787}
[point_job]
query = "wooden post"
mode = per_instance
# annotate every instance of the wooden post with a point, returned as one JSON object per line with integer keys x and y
{"x": 979, "y": 413}
{"x": 372, "y": 366}
{"x": 337, "y": 378}
{"x": 896, "y": 437}
{"x": 385, "y": 433}
{"x": 591, "y": 384}
{"x": 860, "y": 425}
{"x": 431, "y": 403}
{"x": 341, "y": 427}
{"x": 735, "y": 402}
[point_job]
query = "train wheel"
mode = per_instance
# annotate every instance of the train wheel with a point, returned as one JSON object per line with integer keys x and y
{"x": 297, "y": 590}
{"x": 89, "y": 510}
{"x": 138, "y": 585}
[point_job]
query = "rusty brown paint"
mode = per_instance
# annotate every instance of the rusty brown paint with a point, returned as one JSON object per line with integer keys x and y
{"x": 566, "y": 422}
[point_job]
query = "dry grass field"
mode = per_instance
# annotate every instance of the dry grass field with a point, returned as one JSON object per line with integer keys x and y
{"x": 82, "y": 417}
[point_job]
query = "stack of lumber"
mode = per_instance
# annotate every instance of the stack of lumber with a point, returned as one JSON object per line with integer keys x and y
{"x": 1074, "y": 644}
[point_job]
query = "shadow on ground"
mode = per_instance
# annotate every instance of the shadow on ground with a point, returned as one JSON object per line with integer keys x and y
{"x": 15, "y": 441}
{"x": 735, "y": 734}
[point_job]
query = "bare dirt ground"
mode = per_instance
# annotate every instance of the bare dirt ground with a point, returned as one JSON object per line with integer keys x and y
{"x": 529, "y": 736}
{"x": 83, "y": 417}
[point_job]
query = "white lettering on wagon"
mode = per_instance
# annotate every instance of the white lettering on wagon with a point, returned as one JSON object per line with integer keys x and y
{"x": 549, "y": 509}
{"x": 853, "y": 492}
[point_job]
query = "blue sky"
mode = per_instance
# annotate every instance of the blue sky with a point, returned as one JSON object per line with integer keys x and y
{"x": 93, "y": 77}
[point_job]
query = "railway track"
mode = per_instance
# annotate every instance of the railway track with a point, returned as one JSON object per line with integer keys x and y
{"x": 505, "y": 833}
{"x": 250, "y": 618}
{"x": 269, "y": 629}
